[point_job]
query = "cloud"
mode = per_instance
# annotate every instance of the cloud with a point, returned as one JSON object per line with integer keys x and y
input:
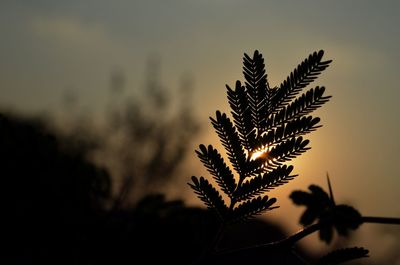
{"x": 68, "y": 32}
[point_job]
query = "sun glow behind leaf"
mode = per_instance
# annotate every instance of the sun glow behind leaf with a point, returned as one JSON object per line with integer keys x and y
{"x": 259, "y": 154}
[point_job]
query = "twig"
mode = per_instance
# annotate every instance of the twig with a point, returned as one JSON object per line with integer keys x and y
{"x": 287, "y": 242}
{"x": 211, "y": 249}
{"x": 381, "y": 220}
{"x": 217, "y": 238}
{"x": 291, "y": 240}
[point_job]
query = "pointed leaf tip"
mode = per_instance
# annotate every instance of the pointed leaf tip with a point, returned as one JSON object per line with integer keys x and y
{"x": 202, "y": 147}
{"x": 195, "y": 180}
{"x": 272, "y": 201}
{"x": 305, "y": 143}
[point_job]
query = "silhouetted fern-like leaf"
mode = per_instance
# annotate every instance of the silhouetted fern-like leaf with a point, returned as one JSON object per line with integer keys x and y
{"x": 304, "y": 105}
{"x": 292, "y": 128}
{"x": 343, "y": 255}
{"x": 265, "y": 133}
{"x": 264, "y": 182}
{"x": 241, "y": 114}
{"x": 287, "y": 150}
{"x": 215, "y": 164}
{"x": 209, "y": 195}
{"x": 231, "y": 141}
{"x": 304, "y": 74}
{"x": 252, "y": 207}
{"x": 257, "y": 89}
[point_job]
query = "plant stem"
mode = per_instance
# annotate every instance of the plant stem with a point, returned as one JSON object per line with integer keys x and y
{"x": 211, "y": 249}
{"x": 287, "y": 242}
{"x": 217, "y": 238}
{"x": 291, "y": 240}
{"x": 381, "y": 220}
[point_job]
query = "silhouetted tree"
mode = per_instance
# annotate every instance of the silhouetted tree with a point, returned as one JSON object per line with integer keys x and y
{"x": 144, "y": 138}
{"x": 51, "y": 195}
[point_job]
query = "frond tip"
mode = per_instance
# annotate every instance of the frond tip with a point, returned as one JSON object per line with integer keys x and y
{"x": 303, "y": 75}
{"x": 231, "y": 141}
{"x": 343, "y": 255}
{"x": 241, "y": 114}
{"x": 253, "y": 207}
{"x": 209, "y": 195}
{"x": 257, "y": 89}
{"x": 264, "y": 182}
{"x": 215, "y": 164}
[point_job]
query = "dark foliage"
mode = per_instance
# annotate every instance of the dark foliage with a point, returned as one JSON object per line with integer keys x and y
{"x": 343, "y": 255}
{"x": 320, "y": 206}
{"x": 269, "y": 122}
{"x": 51, "y": 196}
{"x": 210, "y": 196}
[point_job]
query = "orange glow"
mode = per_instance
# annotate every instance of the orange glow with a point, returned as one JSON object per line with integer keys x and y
{"x": 258, "y": 154}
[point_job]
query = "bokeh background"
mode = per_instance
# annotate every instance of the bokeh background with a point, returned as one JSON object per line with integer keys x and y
{"x": 75, "y": 62}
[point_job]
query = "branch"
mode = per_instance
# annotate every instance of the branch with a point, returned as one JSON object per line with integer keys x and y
{"x": 284, "y": 243}
{"x": 381, "y": 220}
{"x": 211, "y": 248}
{"x": 291, "y": 240}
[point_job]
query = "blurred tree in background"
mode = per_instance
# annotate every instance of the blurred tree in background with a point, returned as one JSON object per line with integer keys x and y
{"x": 51, "y": 195}
{"x": 144, "y": 137}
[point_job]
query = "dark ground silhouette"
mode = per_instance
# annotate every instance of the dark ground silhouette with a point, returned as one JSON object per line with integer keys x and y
{"x": 54, "y": 210}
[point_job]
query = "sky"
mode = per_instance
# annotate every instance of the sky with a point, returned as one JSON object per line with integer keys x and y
{"x": 50, "y": 48}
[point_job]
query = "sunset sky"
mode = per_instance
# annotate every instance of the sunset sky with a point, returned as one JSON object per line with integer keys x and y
{"x": 50, "y": 48}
